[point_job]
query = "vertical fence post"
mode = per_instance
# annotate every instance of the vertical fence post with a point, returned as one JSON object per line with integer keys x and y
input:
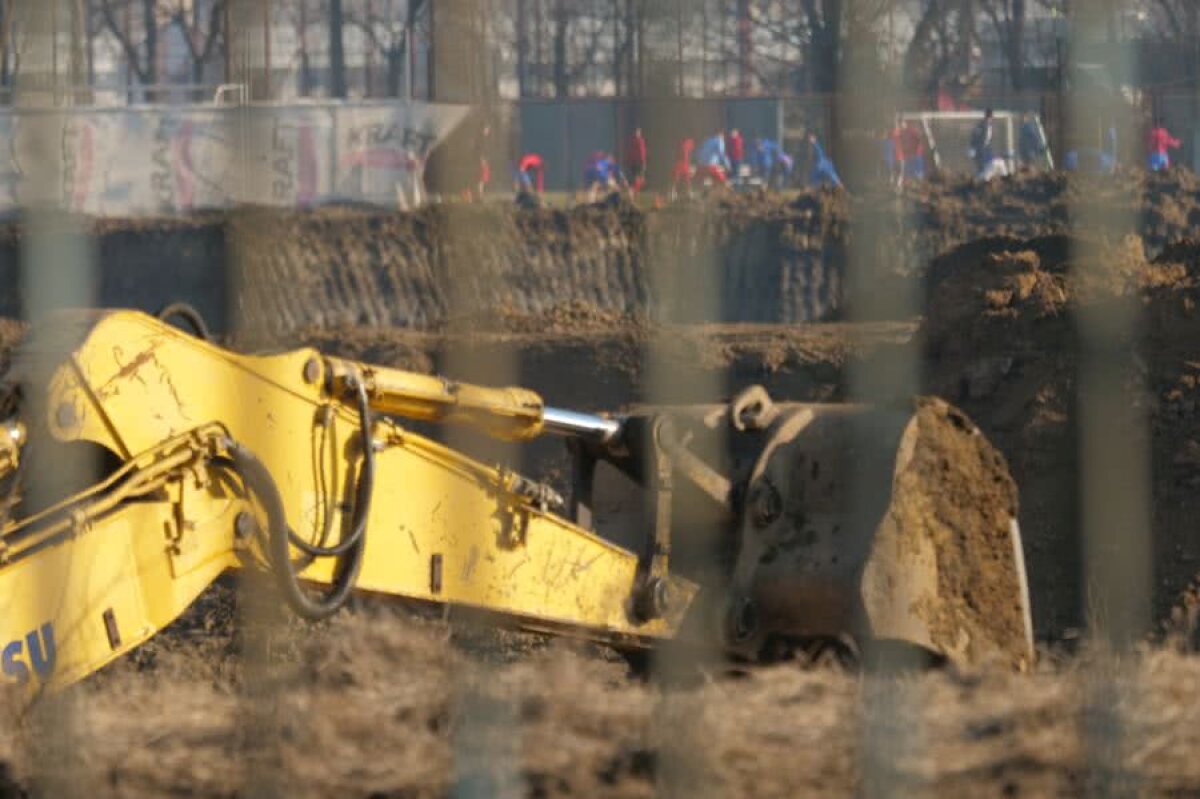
{"x": 1114, "y": 458}
{"x": 56, "y": 272}
{"x": 892, "y": 728}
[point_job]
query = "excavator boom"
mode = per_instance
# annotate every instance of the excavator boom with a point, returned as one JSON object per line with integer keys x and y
{"x": 207, "y": 460}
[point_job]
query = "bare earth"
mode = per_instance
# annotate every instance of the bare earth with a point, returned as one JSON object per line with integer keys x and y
{"x": 381, "y": 704}
{"x": 390, "y": 703}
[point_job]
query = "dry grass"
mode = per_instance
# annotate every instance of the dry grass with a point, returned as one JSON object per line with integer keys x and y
{"x": 382, "y": 704}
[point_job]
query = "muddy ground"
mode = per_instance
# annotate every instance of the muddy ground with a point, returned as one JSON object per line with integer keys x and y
{"x": 382, "y": 702}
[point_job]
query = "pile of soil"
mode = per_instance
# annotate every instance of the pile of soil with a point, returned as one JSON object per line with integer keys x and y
{"x": 1161, "y": 208}
{"x": 1004, "y": 341}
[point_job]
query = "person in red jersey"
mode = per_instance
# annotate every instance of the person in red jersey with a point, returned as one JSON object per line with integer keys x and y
{"x": 1160, "y": 141}
{"x": 531, "y": 173}
{"x": 735, "y": 146}
{"x": 635, "y": 161}
{"x": 683, "y": 171}
{"x": 911, "y": 145}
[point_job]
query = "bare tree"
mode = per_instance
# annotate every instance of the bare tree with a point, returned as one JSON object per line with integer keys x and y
{"x": 1008, "y": 18}
{"x": 389, "y": 28}
{"x": 1177, "y": 25}
{"x": 823, "y": 30}
{"x": 134, "y": 24}
{"x": 301, "y": 17}
{"x": 200, "y": 34}
{"x": 337, "y": 50}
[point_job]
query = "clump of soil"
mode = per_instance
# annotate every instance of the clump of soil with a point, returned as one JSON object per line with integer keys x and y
{"x": 571, "y": 317}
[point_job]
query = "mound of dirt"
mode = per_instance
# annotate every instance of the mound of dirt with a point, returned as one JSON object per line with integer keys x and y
{"x": 1164, "y": 206}
{"x": 1003, "y": 341}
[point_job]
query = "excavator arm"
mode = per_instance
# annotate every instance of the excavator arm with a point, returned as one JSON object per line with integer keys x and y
{"x": 228, "y": 459}
{"x": 300, "y": 464}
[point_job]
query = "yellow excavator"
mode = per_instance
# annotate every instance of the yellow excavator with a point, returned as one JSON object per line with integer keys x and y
{"x": 140, "y": 461}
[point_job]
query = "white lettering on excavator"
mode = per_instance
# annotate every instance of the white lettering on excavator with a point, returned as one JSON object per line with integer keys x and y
{"x": 35, "y": 650}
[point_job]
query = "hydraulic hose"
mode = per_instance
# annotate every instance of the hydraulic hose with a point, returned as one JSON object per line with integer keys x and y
{"x": 362, "y": 493}
{"x": 280, "y": 537}
{"x": 190, "y": 315}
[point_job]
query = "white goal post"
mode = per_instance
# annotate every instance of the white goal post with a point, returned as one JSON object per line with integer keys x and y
{"x": 948, "y": 134}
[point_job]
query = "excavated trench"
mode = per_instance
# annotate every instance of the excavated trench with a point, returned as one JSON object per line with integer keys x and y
{"x": 602, "y": 307}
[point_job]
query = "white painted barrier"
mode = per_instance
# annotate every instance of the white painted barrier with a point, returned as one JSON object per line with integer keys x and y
{"x": 168, "y": 159}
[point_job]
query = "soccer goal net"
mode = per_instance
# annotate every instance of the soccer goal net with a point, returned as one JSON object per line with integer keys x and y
{"x": 948, "y": 136}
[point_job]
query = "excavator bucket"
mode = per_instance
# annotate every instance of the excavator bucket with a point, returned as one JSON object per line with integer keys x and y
{"x": 840, "y": 523}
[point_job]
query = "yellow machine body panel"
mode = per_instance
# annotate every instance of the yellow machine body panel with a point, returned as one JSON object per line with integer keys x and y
{"x": 442, "y": 528}
{"x": 106, "y": 588}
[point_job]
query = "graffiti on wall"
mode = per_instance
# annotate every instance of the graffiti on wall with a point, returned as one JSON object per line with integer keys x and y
{"x": 145, "y": 161}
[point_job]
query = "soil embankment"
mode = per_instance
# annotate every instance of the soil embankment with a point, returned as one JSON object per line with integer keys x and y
{"x": 745, "y": 258}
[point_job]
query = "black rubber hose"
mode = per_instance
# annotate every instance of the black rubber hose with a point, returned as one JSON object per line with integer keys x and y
{"x": 190, "y": 315}
{"x": 366, "y": 480}
{"x": 350, "y": 551}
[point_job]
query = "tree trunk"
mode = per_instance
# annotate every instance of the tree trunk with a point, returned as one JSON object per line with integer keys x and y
{"x": 634, "y": 54}
{"x": 916, "y": 58}
{"x": 562, "y": 88}
{"x": 966, "y": 35}
{"x": 522, "y": 48}
{"x": 745, "y": 45}
{"x": 414, "y": 9}
{"x": 151, "y": 25}
{"x": 1016, "y": 46}
{"x": 191, "y": 33}
{"x": 337, "y": 51}
{"x": 78, "y": 54}
{"x": 395, "y": 60}
{"x": 306, "y": 80}
{"x": 5, "y": 34}
{"x": 618, "y": 43}
{"x": 827, "y": 41}
{"x": 1193, "y": 40}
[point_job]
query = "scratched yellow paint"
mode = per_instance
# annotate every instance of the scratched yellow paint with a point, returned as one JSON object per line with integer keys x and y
{"x": 135, "y": 382}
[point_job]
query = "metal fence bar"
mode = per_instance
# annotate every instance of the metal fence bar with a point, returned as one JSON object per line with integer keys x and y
{"x": 1114, "y": 457}
{"x": 891, "y": 729}
{"x": 488, "y": 737}
{"x": 56, "y": 270}
{"x": 684, "y": 273}
{"x": 261, "y": 617}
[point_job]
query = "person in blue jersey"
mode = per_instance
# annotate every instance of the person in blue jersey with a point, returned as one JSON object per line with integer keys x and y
{"x": 713, "y": 160}
{"x": 774, "y": 165}
{"x": 822, "y": 172}
{"x": 602, "y": 174}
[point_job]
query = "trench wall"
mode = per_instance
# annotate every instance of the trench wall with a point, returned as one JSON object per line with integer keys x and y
{"x": 446, "y": 265}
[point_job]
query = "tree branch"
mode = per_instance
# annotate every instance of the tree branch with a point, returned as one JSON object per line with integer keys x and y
{"x": 131, "y": 55}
